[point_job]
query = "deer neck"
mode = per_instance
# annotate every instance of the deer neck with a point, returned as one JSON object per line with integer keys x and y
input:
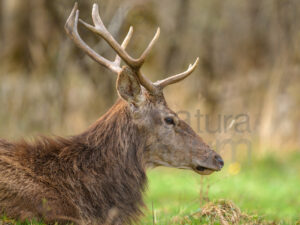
{"x": 115, "y": 138}
{"x": 114, "y": 151}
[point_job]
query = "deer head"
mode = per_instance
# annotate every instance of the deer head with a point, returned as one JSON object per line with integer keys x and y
{"x": 169, "y": 140}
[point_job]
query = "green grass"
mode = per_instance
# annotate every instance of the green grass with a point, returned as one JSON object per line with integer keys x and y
{"x": 264, "y": 190}
{"x": 269, "y": 188}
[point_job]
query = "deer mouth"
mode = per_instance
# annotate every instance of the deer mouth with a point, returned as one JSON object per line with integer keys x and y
{"x": 204, "y": 170}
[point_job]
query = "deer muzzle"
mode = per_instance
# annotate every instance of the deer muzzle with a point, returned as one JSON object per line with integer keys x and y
{"x": 212, "y": 164}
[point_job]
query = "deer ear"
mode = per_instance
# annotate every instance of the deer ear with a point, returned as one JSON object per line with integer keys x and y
{"x": 128, "y": 86}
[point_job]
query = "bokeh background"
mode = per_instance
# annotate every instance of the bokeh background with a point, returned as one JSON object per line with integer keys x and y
{"x": 249, "y": 71}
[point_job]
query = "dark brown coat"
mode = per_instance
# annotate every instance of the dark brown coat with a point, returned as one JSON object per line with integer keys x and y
{"x": 84, "y": 178}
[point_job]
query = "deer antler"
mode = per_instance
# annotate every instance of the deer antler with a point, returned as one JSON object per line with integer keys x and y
{"x": 71, "y": 29}
{"x": 100, "y": 29}
{"x": 178, "y": 77}
{"x": 134, "y": 64}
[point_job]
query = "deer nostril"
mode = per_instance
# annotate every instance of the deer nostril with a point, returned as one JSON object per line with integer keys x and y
{"x": 219, "y": 160}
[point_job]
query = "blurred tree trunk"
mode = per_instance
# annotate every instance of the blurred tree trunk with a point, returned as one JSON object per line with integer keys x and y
{"x": 257, "y": 49}
{"x": 17, "y": 31}
{"x": 268, "y": 129}
{"x": 174, "y": 56}
{"x": 208, "y": 60}
{"x": 1, "y": 23}
{"x": 1, "y": 30}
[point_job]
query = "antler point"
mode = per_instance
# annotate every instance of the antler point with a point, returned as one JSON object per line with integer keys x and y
{"x": 196, "y": 62}
{"x": 95, "y": 5}
{"x": 158, "y": 31}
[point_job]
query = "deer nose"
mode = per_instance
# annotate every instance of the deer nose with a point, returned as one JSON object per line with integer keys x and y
{"x": 220, "y": 161}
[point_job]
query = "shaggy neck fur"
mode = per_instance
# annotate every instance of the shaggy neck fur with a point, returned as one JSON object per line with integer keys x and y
{"x": 100, "y": 172}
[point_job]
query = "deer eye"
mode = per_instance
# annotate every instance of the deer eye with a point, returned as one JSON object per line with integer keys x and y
{"x": 170, "y": 121}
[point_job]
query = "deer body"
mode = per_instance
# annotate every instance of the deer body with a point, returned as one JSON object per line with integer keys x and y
{"x": 98, "y": 177}
{"x": 82, "y": 178}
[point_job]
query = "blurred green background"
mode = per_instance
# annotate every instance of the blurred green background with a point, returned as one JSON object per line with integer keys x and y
{"x": 246, "y": 90}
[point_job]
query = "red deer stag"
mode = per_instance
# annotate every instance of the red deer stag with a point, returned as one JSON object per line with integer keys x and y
{"x": 98, "y": 176}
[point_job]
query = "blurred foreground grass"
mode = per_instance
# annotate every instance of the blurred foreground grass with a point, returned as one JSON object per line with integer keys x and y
{"x": 265, "y": 191}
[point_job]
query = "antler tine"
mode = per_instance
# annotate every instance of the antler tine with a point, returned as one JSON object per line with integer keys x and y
{"x": 96, "y": 18}
{"x": 149, "y": 47}
{"x": 143, "y": 79}
{"x": 124, "y": 45}
{"x": 72, "y": 31}
{"x": 176, "y": 78}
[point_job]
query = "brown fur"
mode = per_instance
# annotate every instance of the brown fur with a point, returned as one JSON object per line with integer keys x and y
{"x": 82, "y": 179}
